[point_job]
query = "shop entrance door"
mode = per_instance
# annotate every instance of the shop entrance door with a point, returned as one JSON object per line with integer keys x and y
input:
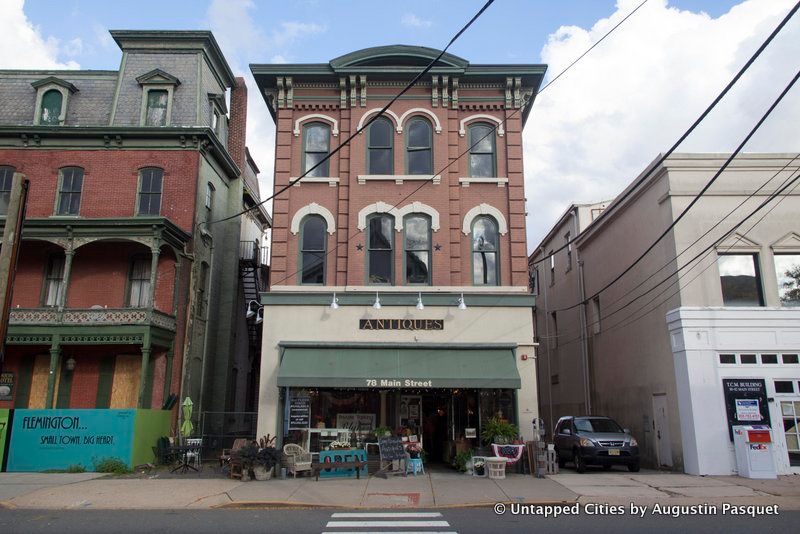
{"x": 790, "y": 414}
{"x": 435, "y": 420}
{"x": 661, "y": 419}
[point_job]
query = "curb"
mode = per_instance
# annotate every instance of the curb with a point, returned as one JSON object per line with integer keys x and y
{"x": 303, "y": 505}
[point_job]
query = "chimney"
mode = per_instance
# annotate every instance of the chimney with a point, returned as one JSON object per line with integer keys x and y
{"x": 237, "y": 126}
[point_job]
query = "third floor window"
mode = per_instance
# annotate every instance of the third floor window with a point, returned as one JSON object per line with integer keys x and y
{"x": 6, "y": 176}
{"x": 482, "y": 161}
{"x": 316, "y": 145}
{"x": 380, "y": 154}
{"x": 156, "y": 114}
{"x": 419, "y": 141}
{"x": 69, "y": 193}
{"x": 150, "y": 184}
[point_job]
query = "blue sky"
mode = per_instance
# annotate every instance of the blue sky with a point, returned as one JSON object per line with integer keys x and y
{"x": 588, "y": 136}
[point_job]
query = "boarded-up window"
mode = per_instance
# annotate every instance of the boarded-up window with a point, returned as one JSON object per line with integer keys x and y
{"x": 156, "y": 114}
{"x": 51, "y": 107}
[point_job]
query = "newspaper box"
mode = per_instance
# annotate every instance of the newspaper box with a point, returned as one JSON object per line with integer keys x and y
{"x": 753, "y": 446}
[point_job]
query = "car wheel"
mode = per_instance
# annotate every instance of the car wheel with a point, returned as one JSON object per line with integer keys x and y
{"x": 580, "y": 463}
{"x": 633, "y": 468}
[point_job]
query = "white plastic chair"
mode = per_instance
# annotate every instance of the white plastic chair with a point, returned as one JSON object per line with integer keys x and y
{"x": 193, "y": 456}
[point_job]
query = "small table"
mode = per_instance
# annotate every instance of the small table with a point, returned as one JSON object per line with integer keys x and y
{"x": 496, "y": 467}
{"x": 181, "y": 450}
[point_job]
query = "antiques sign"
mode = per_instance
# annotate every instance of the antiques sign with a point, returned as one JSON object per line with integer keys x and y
{"x": 401, "y": 324}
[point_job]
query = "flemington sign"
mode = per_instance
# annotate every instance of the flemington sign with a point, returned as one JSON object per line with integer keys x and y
{"x": 401, "y": 324}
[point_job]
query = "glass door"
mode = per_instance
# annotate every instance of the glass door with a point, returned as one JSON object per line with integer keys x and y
{"x": 790, "y": 411}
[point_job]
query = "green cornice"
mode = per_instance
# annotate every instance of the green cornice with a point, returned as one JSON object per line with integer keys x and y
{"x": 479, "y": 300}
{"x": 394, "y": 54}
{"x": 376, "y": 345}
{"x": 118, "y": 137}
{"x": 106, "y": 228}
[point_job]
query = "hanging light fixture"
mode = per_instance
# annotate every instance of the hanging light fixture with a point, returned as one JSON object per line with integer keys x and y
{"x": 420, "y": 305}
{"x": 334, "y": 302}
{"x": 377, "y": 304}
{"x": 260, "y": 315}
{"x": 461, "y": 304}
{"x": 251, "y": 311}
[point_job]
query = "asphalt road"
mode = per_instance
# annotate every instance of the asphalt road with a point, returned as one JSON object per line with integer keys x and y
{"x": 465, "y": 520}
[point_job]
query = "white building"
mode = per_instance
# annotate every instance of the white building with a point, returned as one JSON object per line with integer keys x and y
{"x": 670, "y": 364}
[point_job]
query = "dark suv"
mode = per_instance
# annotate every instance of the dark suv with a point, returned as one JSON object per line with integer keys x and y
{"x": 595, "y": 440}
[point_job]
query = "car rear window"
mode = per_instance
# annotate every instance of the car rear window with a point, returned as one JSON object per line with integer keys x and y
{"x": 596, "y": 424}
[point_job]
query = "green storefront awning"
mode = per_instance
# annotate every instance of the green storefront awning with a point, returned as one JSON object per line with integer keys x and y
{"x": 358, "y": 367}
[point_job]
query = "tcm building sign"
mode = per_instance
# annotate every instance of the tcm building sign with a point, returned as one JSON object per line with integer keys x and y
{"x": 401, "y": 324}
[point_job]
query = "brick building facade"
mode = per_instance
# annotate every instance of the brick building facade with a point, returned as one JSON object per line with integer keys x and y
{"x": 124, "y": 293}
{"x": 420, "y": 217}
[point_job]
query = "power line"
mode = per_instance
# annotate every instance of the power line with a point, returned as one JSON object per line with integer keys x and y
{"x": 366, "y": 125}
{"x": 695, "y": 199}
{"x": 686, "y": 134}
{"x": 490, "y": 132}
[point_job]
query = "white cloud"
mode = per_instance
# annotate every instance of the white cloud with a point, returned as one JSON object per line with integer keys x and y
{"x": 23, "y": 46}
{"x": 632, "y": 97}
{"x": 413, "y": 21}
{"x": 73, "y": 47}
{"x": 290, "y": 32}
{"x": 102, "y": 36}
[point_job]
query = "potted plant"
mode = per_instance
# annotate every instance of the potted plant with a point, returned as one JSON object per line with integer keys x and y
{"x": 414, "y": 450}
{"x": 499, "y": 431}
{"x": 478, "y": 466}
{"x": 265, "y": 460}
{"x": 246, "y": 458}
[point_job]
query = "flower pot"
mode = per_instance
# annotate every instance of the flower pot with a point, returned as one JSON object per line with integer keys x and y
{"x": 262, "y": 473}
{"x": 413, "y": 455}
{"x": 479, "y": 470}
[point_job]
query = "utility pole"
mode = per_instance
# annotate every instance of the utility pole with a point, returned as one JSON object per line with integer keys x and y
{"x": 9, "y": 252}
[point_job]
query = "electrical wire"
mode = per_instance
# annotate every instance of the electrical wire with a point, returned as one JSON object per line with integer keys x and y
{"x": 366, "y": 125}
{"x": 686, "y": 134}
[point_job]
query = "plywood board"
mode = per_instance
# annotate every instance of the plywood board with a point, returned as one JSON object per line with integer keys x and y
{"x": 41, "y": 370}
{"x": 125, "y": 386}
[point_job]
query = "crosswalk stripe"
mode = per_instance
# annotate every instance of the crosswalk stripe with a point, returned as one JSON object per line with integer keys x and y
{"x": 393, "y": 532}
{"x": 386, "y": 524}
{"x": 385, "y": 514}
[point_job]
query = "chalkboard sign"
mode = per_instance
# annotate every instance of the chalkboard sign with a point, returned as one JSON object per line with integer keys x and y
{"x": 391, "y": 448}
{"x": 299, "y": 413}
{"x": 745, "y": 402}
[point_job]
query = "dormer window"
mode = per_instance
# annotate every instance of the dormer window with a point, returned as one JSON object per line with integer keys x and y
{"x": 52, "y": 95}
{"x": 158, "y": 88}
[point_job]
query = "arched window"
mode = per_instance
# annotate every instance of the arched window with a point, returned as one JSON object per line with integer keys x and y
{"x": 482, "y": 151}
{"x": 380, "y": 244}
{"x": 150, "y": 184}
{"x": 6, "y": 176}
{"x": 380, "y": 156}
{"x": 484, "y": 252}
{"x": 316, "y": 145}
{"x": 51, "y": 107}
{"x": 419, "y": 147}
{"x": 69, "y": 194}
{"x": 417, "y": 244}
{"x": 313, "y": 240}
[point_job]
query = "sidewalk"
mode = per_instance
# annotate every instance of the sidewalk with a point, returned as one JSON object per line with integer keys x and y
{"x": 437, "y": 489}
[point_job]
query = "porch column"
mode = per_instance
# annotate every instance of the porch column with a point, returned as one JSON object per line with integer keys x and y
{"x": 62, "y": 294}
{"x": 168, "y": 371}
{"x": 143, "y": 373}
{"x": 154, "y": 253}
{"x": 55, "y": 353}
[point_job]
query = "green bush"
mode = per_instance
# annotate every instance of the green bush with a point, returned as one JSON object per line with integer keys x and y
{"x": 111, "y": 465}
{"x": 76, "y": 468}
{"x": 497, "y": 430}
{"x": 461, "y": 460}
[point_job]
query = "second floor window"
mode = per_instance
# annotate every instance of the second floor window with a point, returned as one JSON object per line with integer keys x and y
{"x": 316, "y": 145}
{"x": 150, "y": 183}
{"x": 6, "y": 176}
{"x": 787, "y": 271}
{"x": 156, "y": 114}
{"x": 312, "y": 250}
{"x": 50, "y": 113}
{"x": 139, "y": 292}
{"x": 380, "y": 156}
{"x": 54, "y": 279}
{"x": 740, "y": 279}
{"x": 418, "y": 249}
{"x": 419, "y": 140}
{"x": 380, "y": 242}
{"x": 484, "y": 252}
{"x": 481, "y": 152}
{"x": 69, "y": 195}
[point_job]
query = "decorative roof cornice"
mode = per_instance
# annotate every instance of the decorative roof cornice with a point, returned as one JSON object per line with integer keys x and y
{"x": 158, "y": 76}
{"x": 53, "y": 80}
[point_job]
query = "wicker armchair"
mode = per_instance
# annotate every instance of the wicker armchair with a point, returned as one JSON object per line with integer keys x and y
{"x": 296, "y": 459}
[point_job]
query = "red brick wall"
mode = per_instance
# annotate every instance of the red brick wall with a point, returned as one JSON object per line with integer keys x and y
{"x": 237, "y": 125}
{"x": 165, "y": 280}
{"x": 110, "y": 180}
{"x": 30, "y": 273}
{"x": 451, "y": 265}
{"x": 86, "y": 376}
